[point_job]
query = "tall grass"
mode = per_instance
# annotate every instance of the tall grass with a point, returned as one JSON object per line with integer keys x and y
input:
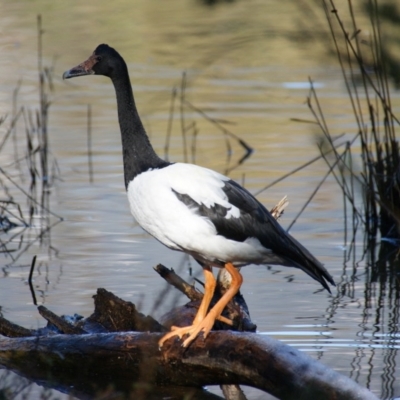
{"x": 365, "y": 73}
{"x": 25, "y": 183}
{"x": 367, "y": 170}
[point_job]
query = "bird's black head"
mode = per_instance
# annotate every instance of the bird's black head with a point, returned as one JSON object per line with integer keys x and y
{"x": 104, "y": 61}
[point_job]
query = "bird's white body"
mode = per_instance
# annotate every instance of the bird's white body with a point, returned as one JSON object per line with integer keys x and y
{"x": 157, "y": 209}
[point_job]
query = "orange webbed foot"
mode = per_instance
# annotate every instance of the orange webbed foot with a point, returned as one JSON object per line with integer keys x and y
{"x": 193, "y": 331}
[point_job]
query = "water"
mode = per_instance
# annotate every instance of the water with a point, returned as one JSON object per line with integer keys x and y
{"x": 247, "y": 65}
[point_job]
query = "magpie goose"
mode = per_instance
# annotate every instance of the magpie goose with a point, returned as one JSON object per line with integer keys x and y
{"x": 194, "y": 209}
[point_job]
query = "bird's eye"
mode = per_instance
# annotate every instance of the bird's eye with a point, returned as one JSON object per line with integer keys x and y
{"x": 99, "y": 58}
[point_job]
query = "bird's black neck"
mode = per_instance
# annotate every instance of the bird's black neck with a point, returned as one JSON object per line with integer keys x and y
{"x": 138, "y": 154}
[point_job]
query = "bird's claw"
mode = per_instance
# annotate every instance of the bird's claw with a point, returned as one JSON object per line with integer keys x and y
{"x": 193, "y": 331}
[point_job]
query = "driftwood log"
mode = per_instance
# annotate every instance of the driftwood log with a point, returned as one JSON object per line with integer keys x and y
{"x": 109, "y": 360}
{"x": 121, "y": 359}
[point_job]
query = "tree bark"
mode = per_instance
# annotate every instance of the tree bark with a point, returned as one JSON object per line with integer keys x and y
{"x": 224, "y": 358}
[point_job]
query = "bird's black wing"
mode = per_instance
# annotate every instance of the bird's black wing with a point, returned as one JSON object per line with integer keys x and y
{"x": 255, "y": 221}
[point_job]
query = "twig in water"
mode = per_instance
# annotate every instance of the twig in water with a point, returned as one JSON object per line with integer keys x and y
{"x": 218, "y": 124}
{"x": 170, "y": 121}
{"x": 30, "y": 280}
{"x": 313, "y": 194}
{"x": 27, "y": 194}
{"x": 313, "y": 160}
{"x": 183, "y": 127}
{"x": 89, "y": 142}
{"x": 11, "y": 128}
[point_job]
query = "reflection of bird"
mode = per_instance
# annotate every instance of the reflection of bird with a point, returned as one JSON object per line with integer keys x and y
{"x": 193, "y": 209}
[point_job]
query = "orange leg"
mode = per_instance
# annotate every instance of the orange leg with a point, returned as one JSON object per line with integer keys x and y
{"x": 209, "y": 287}
{"x": 204, "y": 323}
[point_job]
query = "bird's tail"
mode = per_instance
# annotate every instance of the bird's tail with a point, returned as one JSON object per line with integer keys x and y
{"x": 303, "y": 259}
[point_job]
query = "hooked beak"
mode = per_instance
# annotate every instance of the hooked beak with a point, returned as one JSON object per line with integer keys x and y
{"x": 85, "y": 68}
